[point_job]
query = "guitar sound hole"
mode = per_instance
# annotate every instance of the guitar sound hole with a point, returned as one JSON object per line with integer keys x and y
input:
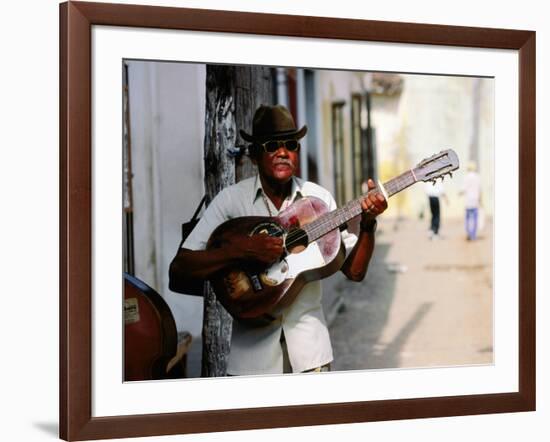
{"x": 296, "y": 241}
{"x": 271, "y": 229}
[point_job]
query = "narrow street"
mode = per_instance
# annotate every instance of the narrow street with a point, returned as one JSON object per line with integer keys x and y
{"x": 424, "y": 302}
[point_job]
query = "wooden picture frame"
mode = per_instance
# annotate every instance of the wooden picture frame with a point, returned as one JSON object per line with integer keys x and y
{"x": 76, "y": 420}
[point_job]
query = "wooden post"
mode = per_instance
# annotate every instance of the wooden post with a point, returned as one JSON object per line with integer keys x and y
{"x": 232, "y": 95}
{"x": 254, "y": 86}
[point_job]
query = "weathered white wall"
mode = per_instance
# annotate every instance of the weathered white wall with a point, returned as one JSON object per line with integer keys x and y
{"x": 434, "y": 113}
{"x": 167, "y": 135}
{"x": 431, "y": 113}
{"x": 336, "y": 86}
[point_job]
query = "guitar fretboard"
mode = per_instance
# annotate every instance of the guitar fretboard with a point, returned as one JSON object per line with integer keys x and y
{"x": 333, "y": 220}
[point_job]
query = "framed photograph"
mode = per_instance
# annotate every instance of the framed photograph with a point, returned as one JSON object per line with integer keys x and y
{"x": 150, "y": 119}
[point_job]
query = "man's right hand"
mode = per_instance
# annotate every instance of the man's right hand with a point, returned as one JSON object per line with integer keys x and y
{"x": 191, "y": 265}
{"x": 262, "y": 247}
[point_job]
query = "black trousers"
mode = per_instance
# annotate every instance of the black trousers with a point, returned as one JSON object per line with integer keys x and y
{"x": 434, "y": 208}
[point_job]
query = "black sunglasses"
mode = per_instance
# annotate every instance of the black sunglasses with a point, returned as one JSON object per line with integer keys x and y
{"x": 273, "y": 145}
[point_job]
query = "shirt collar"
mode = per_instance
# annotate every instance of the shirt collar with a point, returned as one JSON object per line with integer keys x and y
{"x": 295, "y": 190}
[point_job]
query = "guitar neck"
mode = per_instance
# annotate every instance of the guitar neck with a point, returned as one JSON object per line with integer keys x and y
{"x": 333, "y": 220}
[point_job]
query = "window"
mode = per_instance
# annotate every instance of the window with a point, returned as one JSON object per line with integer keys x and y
{"x": 338, "y": 151}
{"x": 358, "y": 144}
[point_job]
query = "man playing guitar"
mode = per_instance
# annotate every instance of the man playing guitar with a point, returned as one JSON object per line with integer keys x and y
{"x": 298, "y": 340}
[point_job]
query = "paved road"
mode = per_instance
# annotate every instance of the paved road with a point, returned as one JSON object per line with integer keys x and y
{"x": 424, "y": 302}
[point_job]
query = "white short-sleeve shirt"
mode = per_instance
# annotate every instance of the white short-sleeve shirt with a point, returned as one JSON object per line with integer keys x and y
{"x": 257, "y": 350}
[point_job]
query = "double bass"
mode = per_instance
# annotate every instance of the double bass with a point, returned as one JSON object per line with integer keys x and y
{"x": 151, "y": 349}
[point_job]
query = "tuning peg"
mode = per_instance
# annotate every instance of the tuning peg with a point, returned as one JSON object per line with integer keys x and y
{"x": 451, "y": 174}
{"x": 442, "y": 178}
{"x": 433, "y": 182}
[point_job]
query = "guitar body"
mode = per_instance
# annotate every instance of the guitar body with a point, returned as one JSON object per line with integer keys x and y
{"x": 257, "y": 295}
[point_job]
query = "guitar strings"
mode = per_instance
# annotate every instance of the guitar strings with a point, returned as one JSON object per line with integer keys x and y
{"x": 294, "y": 237}
{"x": 298, "y": 235}
{"x": 392, "y": 186}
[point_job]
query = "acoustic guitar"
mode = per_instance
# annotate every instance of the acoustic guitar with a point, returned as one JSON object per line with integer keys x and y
{"x": 312, "y": 244}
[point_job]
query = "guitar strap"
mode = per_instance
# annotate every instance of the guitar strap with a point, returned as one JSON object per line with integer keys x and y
{"x": 197, "y": 288}
{"x": 196, "y": 214}
{"x": 187, "y": 228}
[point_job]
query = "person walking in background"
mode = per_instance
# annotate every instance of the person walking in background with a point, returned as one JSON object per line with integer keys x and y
{"x": 435, "y": 192}
{"x": 472, "y": 194}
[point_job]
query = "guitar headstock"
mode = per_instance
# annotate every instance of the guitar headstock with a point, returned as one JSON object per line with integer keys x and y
{"x": 437, "y": 166}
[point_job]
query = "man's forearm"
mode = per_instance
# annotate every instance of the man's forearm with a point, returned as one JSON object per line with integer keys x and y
{"x": 372, "y": 205}
{"x": 356, "y": 265}
{"x": 192, "y": 265}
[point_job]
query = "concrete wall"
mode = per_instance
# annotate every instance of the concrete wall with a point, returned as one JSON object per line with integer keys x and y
{"x": 431, "y": 113}
{"x": 167, "y": 136}
{"x": 336, "y": 86}
{"x": 434, "y": 113}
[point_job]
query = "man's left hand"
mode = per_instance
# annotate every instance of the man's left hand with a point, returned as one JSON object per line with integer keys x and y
{"x": 374, "y": 203}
